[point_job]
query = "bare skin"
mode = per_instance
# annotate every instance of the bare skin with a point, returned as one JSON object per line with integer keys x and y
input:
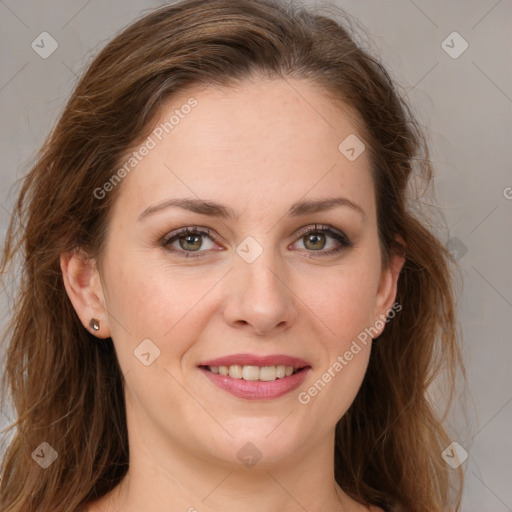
{"x": 256, "y": 149}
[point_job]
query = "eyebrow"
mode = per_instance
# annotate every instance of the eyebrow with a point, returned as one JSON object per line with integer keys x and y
{"x": 214, "y": 209}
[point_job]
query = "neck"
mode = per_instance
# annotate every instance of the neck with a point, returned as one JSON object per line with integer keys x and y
{"x": 165, "y": 477}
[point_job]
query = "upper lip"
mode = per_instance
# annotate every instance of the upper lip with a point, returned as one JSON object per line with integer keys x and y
{"x": 255, "y": 360}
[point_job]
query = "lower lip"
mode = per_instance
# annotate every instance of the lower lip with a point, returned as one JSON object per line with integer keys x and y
{"x": 256, "y": 389}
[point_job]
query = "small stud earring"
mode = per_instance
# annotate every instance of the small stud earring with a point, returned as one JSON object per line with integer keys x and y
{"x": 94, "y": 324}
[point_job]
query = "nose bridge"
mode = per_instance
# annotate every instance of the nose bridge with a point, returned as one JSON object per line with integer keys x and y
{"x": 260, "y": 296}
{"x": 259, "y": 268}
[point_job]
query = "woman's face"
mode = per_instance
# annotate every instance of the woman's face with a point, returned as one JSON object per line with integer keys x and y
{"x": 255, "y": 165}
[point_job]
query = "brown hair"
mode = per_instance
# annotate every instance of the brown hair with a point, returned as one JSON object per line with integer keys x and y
{"x": 67, "y": 388}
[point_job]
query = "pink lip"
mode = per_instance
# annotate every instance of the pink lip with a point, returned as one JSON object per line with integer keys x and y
{"x": 257, "y": 390}
{"x": 254, "y": 360}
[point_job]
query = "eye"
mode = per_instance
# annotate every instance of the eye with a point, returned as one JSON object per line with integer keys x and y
{"x": 315, "y": 240}
{"x": 189, "y": 240}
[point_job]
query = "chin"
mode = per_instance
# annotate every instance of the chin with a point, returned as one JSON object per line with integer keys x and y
{"x": 265, "y": 447}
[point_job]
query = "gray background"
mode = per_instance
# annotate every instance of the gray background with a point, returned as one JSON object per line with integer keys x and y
{"x": 466, "y": 102}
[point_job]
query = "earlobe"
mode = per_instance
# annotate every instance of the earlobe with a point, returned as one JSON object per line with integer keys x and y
{"x": 83, "y": 286}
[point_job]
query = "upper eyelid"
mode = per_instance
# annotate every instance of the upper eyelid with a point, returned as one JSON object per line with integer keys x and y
{"x": 321, "y": 228}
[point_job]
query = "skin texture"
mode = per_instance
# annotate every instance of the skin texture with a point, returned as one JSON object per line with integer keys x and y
{"x": 257, "y": 149}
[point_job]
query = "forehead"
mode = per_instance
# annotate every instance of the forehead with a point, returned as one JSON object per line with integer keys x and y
{"x": 267, "y": 140}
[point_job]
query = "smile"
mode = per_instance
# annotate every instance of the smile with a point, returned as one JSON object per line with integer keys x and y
{"x": 255, "y": 377}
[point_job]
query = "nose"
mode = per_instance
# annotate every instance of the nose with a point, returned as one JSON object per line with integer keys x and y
{"x": 259, "y": 297}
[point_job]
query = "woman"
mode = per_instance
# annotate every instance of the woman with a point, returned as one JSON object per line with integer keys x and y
{"x": 226, "y": 300}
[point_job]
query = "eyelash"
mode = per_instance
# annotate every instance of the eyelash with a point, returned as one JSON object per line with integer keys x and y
{"x": 337, "y": 235}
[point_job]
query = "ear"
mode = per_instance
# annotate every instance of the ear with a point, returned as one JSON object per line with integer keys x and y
{"x": 84, "y": 289}
{"x": 386, "y": 293}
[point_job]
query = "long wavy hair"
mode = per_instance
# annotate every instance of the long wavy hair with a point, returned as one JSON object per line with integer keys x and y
{"x": 67, "y": 389}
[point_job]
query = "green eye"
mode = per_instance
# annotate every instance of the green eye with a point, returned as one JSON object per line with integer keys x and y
{"x": 317, "y": 237}
{"x": 190, "y": 240}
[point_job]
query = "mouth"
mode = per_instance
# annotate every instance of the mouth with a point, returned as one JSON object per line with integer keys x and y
{"x": 256, "y": 377}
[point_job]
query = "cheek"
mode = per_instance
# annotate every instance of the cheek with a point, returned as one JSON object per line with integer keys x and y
{"x": 343, "y": 298}
{"x": 345, "y": 307}
{"x": 157, "y": 302}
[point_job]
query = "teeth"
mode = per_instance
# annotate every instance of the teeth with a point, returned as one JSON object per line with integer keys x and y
{"x": 267, "y": 373}
{"x": 235, "y": 371}
{"x": 263, "y": 373}
{"x": 250, "y": 373}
